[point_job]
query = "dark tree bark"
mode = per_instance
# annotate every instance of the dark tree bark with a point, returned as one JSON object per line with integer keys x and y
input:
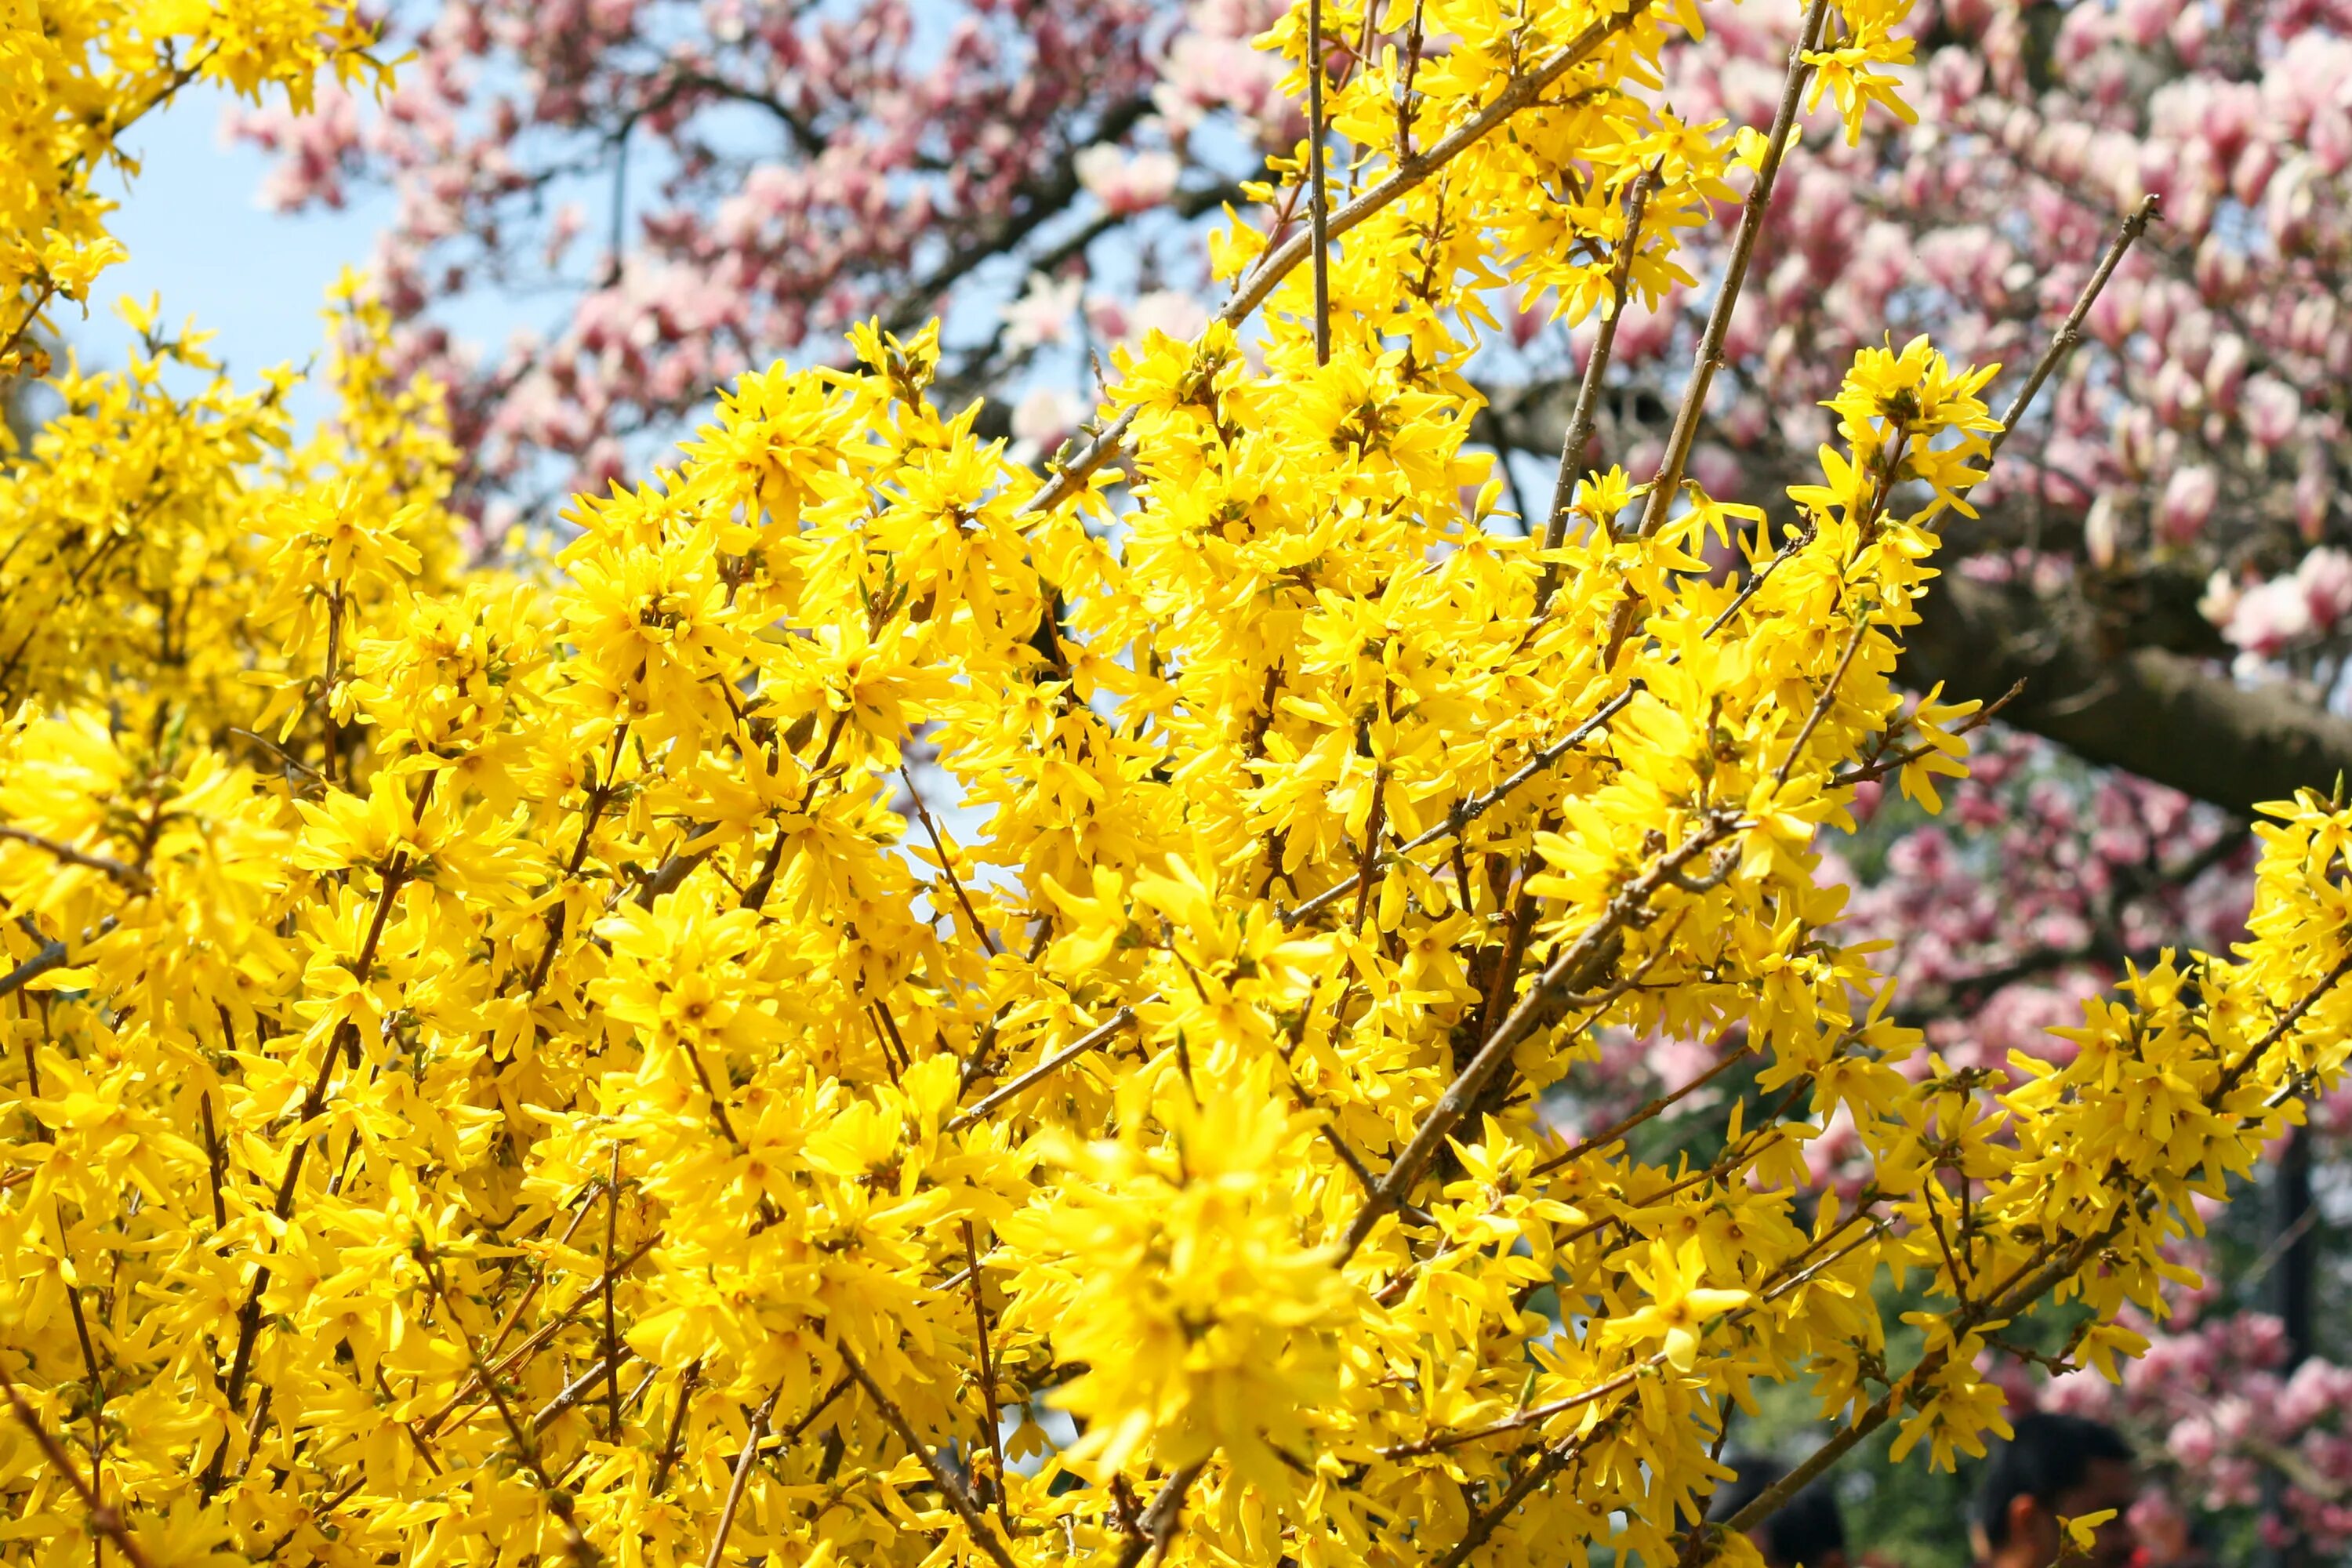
{"x": 2166, "y": 716}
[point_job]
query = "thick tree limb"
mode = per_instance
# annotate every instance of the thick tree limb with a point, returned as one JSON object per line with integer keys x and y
{"x": 2161, "y": 715}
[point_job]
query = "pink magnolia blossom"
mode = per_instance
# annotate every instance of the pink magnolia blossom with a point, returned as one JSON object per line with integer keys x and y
{"x": 1127, "y": 183}
{"x": 2187, "y": 500}
{"x": 1044, "y": 312}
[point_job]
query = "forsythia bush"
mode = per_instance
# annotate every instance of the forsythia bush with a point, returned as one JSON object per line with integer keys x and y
{"x": 504, "y": 1064}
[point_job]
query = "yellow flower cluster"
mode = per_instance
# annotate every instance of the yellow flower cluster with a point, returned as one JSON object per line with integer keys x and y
{"x": 505, "y": 1065}
{"x": 75, "y": 74}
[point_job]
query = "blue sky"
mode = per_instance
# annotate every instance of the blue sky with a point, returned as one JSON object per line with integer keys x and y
{"x": 198, "y": 237}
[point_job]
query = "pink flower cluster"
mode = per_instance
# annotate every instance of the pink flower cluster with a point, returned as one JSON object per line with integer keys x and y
{"x": 2274, "y": 617}
{"x": 2214, "y": 1403}
{"x": 2204, "y": 423}
{"x": 686, "y": 187}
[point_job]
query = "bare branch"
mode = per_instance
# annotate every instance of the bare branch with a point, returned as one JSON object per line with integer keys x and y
{"x": 1588, "y": 390}
{"x": 1668, "y": 480}
{"x": 1095, "y": 1036}
{"x": 742, "y": 1477}
{"x": 1822, "y": 704}
{"x": 131, "y": 877}
{"x": 1576, "y": 966}
{"x": 2069, "y": 332}
{"x": 1157, "y": 1528}
{"x": 1470, "y": 810}
{"x": 987, "y": 1372}
{"x": 103, "y": 1519}
{"x": 1408, "y": 173}
{"x": 958, "y": 1499}
{"x": 1318, "y": 215}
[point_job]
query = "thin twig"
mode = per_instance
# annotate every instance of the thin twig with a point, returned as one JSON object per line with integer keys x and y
{"x": 1588, "y": 391}
{"x": 1650, "y": 1111}
{"x": 947, "y": 866}
{"x": 1468, "y": 811}
{"x": 514, "y": 1314}
{"x": 103, "y": 1519}
{"x": 1534, "y": 1415}
{"x": 1374, "y": 819}
{"x": 612, "y": 1332}
{"x": 131, "y": 877}
{"x": 525, "y": 1439}
{"x": 741, "y": 1478}
{"x": 987, "y": 1372}
{"x": 1408, "y": 173}
{"x": 1578, "y": 964}
{"x": 1822, "y": 704}
{"x": 1549, "y": 1464}
{"x": 667, "y": 1458}
{"x": 346, "y": 1036}
{"x": 573, "y": 1392}
{"x": 1880, "y": 767}
{"x": 958, "y": 1499}
{"x": 2070, "y": 332}
{"x": 598, "y": 799}
{"x": 1157, "y": 1527}
{"x": 1318, "y": 215}
{"x": 2055, "y": 1261}
{"x": 1099, "y": 1035}
{"x": 1668, "y": 481}
{"x": 313, "y": 1518}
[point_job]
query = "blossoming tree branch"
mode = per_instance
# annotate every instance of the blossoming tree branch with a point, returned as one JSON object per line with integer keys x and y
{"x": 494, "y": 1075}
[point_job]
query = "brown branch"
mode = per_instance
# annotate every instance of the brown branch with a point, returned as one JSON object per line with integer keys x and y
{"x": 1576, "y": 966}
{"x": 1319, "y": 215}
{"x": 1534, "y": 1415}
{"x": 612, "y": 1333}
{"x": 1552, "y": 1460}
{"x": 1824, "y": 703}
{"x": 2168, "y": 718}
{"x": 346, "y": 1036}
{"x": 1880, "y": 767}
{"x": 573, "y": 1392}
{"x": 947, "y": 867}
{"x": 1157, "y": 1527}
{"x": 52, "y": 955}
{"x": 1648, "y": 1113}
{"x": 740, "y": 1479}
{"x": 1101, "y": 1033}
{"x": 1668, "y": 480}
{"x": 1588, "y": 391}
{"x": 131, "y": 877}
{"x": 1374, "y": 819}
{"x": 2056, "y": 1260}
{"x": 987, "y": 1372}
{"x": 667, "y": 1458}
{"x": 598, "y": 799}
{"x": 958, "y": 1499}
{"x": 538, "y": 1337}
{"x": 103, "y": 1519}
{"x": 525, "y": 1439}
{"x": 2070, "y": 332}
{"x": 1408, "y": 173}
{"x": 1468, "y": 811}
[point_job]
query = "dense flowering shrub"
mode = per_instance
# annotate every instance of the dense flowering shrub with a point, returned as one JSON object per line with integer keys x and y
{"x": 502, "y": 1063}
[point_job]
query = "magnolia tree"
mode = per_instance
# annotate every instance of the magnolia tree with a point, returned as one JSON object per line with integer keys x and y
{"x": 504, "y": 1063}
